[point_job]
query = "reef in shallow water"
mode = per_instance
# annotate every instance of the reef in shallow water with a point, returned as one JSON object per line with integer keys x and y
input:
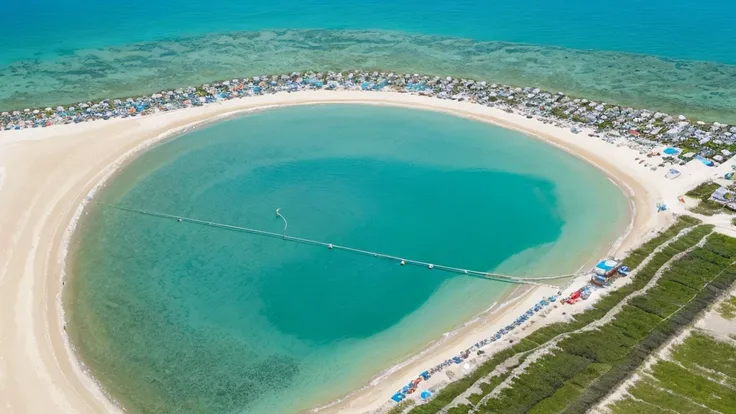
{"x": 699, "y": 89}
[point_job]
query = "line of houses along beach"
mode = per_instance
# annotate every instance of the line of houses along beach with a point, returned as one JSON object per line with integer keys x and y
{"x": 643, "y": 129}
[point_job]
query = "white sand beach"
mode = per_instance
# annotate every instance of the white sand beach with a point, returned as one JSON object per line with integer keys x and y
{"x": 46, "y": 174}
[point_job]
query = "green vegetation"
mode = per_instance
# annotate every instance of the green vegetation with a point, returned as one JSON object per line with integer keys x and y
{"x": 608, "y": 123}
{"x": 650, "y": 395}
{"x": 703, "y": 191}
{"x": 700, "y": 378}
{"x": 579, "y": 119}
{"x": 545, "y": 334}
{"x": 728, "y": 308}
{"x": 695, "y": 387}
{"x": 702, "y": 351}
{"x": 709, "y": 208}
{"x": 708, "y": 271}
{"x": 570, "y": 390}
{"x": 487, "y": 387}
{"x": 635, "y": 258}
{"x": 559, "y": 112}
{"x": 706, "y": 206}
{"x": 450, "y": 392}
{"x": 585, "y": 366}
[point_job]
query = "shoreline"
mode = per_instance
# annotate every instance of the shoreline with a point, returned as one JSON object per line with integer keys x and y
{"x": 138, "y": 134}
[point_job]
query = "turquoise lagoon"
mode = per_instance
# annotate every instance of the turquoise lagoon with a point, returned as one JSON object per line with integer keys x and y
{"x": 180, "y": 318}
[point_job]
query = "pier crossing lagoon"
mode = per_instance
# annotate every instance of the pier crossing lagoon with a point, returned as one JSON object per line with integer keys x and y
{"x": 540, "y": 281}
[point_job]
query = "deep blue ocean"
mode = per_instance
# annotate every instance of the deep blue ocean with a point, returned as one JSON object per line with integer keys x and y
{"x": 697, "y": 30}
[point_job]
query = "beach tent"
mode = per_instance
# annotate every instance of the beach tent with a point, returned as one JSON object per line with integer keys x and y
{"x": 672, "y": 174}
{"x": 398, "y": 397}
{"x": 605, "y": 266}
{"x": 425, "y": 394}
{"x": 585, "y": 293}
{"x": 598, "y": 280}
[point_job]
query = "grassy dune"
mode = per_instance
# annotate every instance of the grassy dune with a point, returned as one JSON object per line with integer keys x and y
{"x": 589, "y": 361}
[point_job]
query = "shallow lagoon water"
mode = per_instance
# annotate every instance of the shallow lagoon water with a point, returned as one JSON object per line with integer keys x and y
{"x": 174, "y": 317}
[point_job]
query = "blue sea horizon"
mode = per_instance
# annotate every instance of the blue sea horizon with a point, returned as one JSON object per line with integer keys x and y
{"x": 643, "y": 55}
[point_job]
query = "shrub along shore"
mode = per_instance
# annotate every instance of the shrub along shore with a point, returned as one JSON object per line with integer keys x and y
{"x": 698, "y": 378}
{"x": 587, "y": 363}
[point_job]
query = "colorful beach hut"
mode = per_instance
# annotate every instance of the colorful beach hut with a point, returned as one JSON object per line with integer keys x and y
{"x": 603, "y": 270}
{"x": 606, "y": 267}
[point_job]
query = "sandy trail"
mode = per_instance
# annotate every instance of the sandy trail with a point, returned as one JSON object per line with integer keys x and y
{"x": 45, "y": 175}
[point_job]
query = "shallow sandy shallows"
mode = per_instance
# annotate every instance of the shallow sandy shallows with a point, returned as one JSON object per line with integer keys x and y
{"x": 45, "y": 175}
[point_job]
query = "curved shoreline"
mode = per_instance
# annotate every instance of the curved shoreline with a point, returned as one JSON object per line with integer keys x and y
{"x": 68, "y": 387}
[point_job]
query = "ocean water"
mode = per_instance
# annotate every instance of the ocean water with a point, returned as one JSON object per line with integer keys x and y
{"x": 175, "y": 317}
{"x": 675, "y": 55}
{"x": 670, "y": 28}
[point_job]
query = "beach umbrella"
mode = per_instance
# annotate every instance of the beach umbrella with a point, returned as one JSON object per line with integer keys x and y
{"x": 60, "y": 109}
{"x": 36, "y": 111}
{"x": 26, "y": 110}
{"x": 5, "y": 114}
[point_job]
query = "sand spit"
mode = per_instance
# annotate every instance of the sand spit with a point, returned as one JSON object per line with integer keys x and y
{"x": 48, "y": 173}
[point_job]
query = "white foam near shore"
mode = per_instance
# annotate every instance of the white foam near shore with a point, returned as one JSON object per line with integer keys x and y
{"x": 49, "y": 173}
